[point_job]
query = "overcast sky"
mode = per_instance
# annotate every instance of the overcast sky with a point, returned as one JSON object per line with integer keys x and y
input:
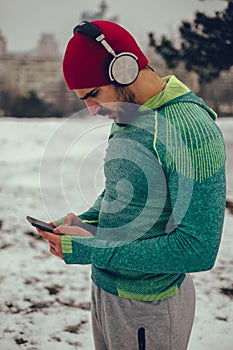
{"x": 23, "y": 21}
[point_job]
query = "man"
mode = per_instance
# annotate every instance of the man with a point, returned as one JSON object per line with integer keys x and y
{"x": 161, "y": 213}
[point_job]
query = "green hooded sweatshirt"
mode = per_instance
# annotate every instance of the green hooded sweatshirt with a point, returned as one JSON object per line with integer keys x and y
{"x": 162, "y": 210}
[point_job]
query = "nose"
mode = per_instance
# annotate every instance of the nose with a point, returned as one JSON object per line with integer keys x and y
{"x": 92, "y": 106}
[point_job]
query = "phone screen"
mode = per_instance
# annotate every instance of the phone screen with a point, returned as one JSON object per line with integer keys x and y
{"x": 40, "y": 224}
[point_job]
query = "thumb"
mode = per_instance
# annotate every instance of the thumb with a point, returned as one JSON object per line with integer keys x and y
{"x": 71, "y": 230}
{"x": 65, "y": 229}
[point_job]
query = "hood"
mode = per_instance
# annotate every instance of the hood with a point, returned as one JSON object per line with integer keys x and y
{"x": 176, "y": 91}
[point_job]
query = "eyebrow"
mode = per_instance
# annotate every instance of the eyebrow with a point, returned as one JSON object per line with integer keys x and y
{"x": 89, "y": 94}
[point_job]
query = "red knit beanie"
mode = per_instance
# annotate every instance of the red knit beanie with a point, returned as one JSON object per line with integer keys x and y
{"x": 85, "y": 63}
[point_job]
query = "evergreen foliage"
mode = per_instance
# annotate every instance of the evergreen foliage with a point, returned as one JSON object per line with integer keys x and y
{"x": 206, "y": 45}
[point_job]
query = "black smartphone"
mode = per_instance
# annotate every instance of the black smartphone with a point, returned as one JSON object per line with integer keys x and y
{"x": 40, "y": 224}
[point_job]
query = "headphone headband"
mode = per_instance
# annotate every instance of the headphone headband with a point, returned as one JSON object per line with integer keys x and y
{"x": 88, "y": 29}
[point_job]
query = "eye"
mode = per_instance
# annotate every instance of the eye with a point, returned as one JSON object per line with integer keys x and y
{"x": 94, "y": 93}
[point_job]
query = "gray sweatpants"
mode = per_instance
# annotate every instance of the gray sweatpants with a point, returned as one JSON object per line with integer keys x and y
{"x": 167, "y": 323}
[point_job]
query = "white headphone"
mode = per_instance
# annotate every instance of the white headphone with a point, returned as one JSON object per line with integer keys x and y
{"x": 123, "y": 68}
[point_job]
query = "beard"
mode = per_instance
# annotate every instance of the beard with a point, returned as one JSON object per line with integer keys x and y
{"x": 124, "y": 94}
{"x": 126, "y": 106}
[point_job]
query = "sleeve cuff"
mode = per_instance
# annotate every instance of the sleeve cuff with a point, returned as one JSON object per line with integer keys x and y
{"x": 59, "y": 221}
{"x": 66, "y": 244}
{"x": 77, "y": 249}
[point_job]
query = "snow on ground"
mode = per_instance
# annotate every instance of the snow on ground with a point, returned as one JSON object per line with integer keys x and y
{"x": 45, "y": 304}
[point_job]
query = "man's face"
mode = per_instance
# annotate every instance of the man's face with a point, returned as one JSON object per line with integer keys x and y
{"x": 117, "y": 103}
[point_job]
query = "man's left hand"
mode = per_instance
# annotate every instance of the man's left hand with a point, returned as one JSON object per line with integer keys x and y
{"x": 54, "y": 239}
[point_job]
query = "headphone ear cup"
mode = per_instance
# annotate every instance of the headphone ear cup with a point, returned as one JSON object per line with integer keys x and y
{"x": 124, "y": 69}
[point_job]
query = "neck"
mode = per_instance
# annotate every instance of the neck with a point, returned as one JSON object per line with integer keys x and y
{"x": 147, "y": 85}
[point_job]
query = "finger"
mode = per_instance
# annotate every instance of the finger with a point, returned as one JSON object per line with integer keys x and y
{"x": 52, "y": 249}
{"x": 46, "y": 235}
{"x": 53, "y": 223}
{"x": 55, "y": 249}
{"x": 51, "y": 237}
{"x": 72, "y": 220}
{"x": 52, "y": 244}
{"x": 66, "y": 229}
{"x": 71, "y": 230}
{"x": 57, "y": 252}
{"x": 68, "y": 219}
{"x": 39, "y": 230}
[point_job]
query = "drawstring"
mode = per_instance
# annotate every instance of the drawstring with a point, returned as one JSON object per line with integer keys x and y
{"x": 141, "y": 339}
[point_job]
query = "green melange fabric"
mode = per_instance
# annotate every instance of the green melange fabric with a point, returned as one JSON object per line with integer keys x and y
{"x": 162, "y": 210}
